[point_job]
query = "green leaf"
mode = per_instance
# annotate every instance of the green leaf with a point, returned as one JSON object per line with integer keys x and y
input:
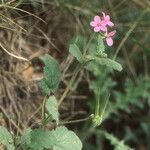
{"x": 132, "y": 95}
{"x": 40, "y": 139}
{"x": 118, "y": 145}
{"x": 52, "y": 75}
{"x": 100, "y": 46}
{"x": 44, "y": 85}
{"x": 59, "y": 139}
{"x": 106, "y": 61}
{"x": 26, "y": 139}
{"x": 65, "y": 139}
{"x": 52, "y": 107}
{"x": 74, "y": 50}
{"x": 6, "y": 138}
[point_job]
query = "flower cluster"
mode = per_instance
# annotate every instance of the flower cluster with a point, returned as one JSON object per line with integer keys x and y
{"x": 102, "y": 25}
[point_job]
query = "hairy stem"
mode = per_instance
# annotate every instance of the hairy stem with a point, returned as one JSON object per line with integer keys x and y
{"x": 79, "y": 120}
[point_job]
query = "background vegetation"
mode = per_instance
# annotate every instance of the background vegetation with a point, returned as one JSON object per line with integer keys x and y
{"x": 30, "y": 29}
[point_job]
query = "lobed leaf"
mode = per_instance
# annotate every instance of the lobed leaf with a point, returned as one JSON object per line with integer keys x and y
{"x": 59, "y": 139}
{"x": 106, "y": 61}
{"x": 52, "y": 107}
{"x": 26, "y": 139}
{"x": 65, "y": 139}
{"x": 118, "y": 145}
{"x": 52, "y": 75}
{"x": 6, "y": 138}
{"x": 37, "y": 139}
{"x": 74, "y": 50}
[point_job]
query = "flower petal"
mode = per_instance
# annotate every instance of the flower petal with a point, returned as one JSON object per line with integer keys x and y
{"x": 93, "y": 24}
{"x": 107, "y": 18}
{"x": 97, "y": 19}
{"x": 112, "y": 33}
{"x": 103, "y": 28}
{"x": 110, "y": 23}
{"x": 109, "y": 41}
{"x": 97, "y": 29}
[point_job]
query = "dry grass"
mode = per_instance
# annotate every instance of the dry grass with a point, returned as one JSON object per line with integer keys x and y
{"x": 24, "y": 40}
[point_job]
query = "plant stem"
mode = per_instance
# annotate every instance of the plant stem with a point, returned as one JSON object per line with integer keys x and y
{"x": 97, "y": 107}
{"x": 88, "y": 44}
{"x": 17, "y": 134}
{"x": 107, "y": 100}
{"x": 76, "y": 121}
{"x": 75, "y": 73}
{"x": 77, "y": 70}
{"x": 43, "y": 111}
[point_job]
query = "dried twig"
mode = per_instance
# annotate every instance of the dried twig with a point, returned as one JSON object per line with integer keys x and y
{"x": 13, "y": 55}
{"x": 7, "y": 116}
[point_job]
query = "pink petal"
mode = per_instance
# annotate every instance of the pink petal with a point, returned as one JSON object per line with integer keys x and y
{"x": 107, "y": 18}
{"x": 103, "y": 22}
{"x": 103, "y": 28}
{"x": 97, "y": 19}
{"x": 109, "y": 41}
{"x": 112, "y": 33}
{"x": 110, "y": 23}
{"x": 97, "y": 29}
{"x": 93, "y": 24}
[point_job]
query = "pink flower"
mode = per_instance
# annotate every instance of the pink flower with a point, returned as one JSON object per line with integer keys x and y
{"x": 109, "y": 36}
{"x": 101, "y": 25}
{"x": 98, "y": 24}
{"x": 106, "y": 20}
